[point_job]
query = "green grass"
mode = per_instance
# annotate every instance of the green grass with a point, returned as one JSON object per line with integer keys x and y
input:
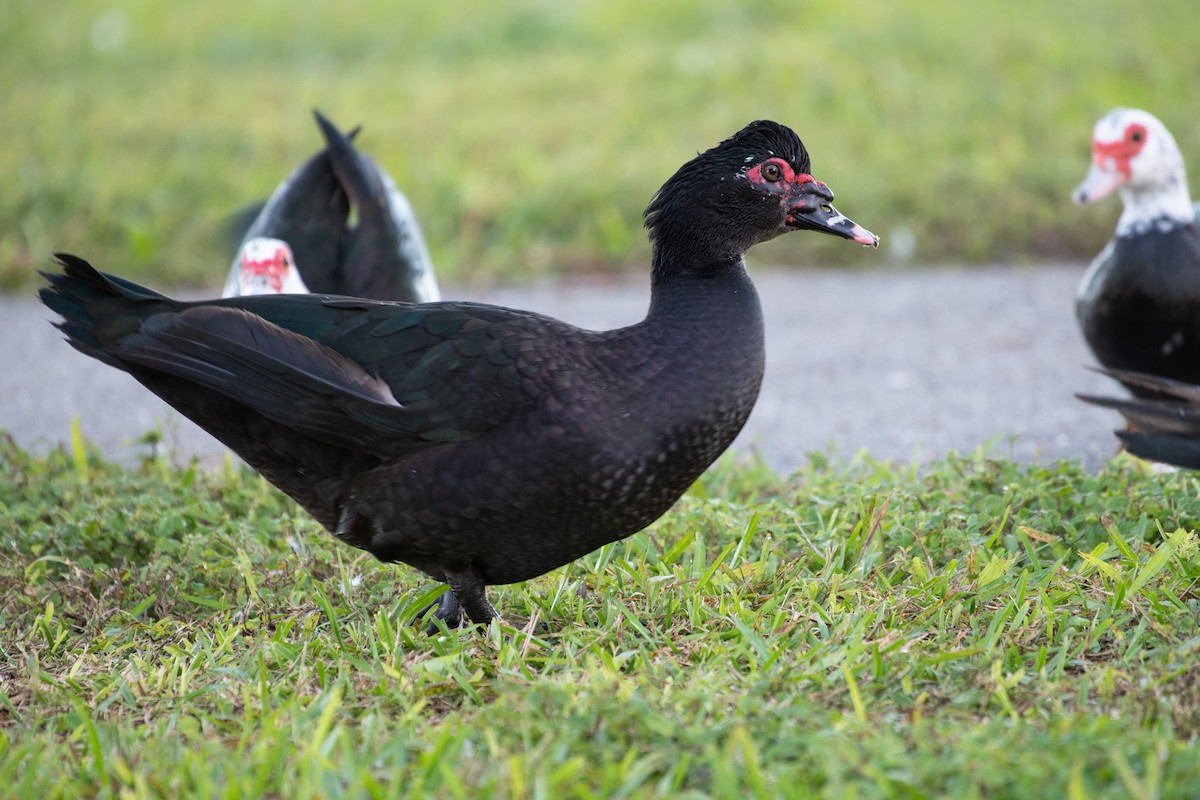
{"x": 976, "y": 629}
{"x": 530, "y": 137}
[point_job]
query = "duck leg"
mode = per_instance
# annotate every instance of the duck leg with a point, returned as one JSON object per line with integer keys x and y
{"x": 465, "y": 595}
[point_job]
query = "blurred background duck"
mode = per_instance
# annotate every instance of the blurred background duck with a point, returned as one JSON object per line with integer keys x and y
{"x": 1138, "y": 306}
{"x": 304, "y": 240}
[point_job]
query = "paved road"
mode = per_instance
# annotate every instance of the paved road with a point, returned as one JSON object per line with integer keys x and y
{"x": 904, "y": 365}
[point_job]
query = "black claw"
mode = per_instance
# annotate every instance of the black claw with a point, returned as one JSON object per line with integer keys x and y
{"x": 449, "y": 611}
{"x": 464, "y": 600}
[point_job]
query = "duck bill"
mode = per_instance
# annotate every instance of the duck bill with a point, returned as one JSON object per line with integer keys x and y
{"x": 1099, "y": 183}
{"x": 816, "y": 215}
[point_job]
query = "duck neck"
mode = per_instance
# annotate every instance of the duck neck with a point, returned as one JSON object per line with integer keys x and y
{"x": 714, "y": 311}
{"x": 1164, "y": 206}
{"x": 699, "y": 284}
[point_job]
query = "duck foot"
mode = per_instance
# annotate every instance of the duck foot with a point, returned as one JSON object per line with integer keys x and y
{"x": 465, "y": 599}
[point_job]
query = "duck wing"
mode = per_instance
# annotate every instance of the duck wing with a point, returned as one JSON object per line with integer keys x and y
{"x": 374, "y": 378}
{"x": 1166, "y": 429}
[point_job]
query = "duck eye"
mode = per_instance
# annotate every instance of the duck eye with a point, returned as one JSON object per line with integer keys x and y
{"x": 1135, "y": 135}
{"x": 771, "y": 171}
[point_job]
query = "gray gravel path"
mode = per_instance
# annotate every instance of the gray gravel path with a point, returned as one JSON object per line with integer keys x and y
{"x": 904, "y": 365}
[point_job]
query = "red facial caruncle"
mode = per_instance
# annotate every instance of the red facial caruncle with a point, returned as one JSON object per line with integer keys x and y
{"x": 272, "y": 265}
{"x": 775, "y": 171}
{"x": 777, "y": 176}
{"x": 805, "y": 201}
{"x": 1122, "y": 151}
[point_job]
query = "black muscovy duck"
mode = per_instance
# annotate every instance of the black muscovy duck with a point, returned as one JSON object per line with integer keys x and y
{"x": 1139, "y": 303}
{"x": 303, "y": 240}
{"x": 480, "y": 444}
{"x": 1163, "y": 428}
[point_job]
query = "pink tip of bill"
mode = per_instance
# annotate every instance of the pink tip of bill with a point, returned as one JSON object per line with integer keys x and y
{"x": 864, "y": 236}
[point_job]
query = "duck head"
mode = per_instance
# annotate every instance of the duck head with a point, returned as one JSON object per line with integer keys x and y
{"x": 264, "y": 266}
{"x": 1135, "y": 154}
{"x": 752, "y": 187}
